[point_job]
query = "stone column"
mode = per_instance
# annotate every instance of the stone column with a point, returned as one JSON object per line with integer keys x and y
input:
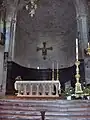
{"x": 9, "y": 47}
{"x": 30, "y": 93}
{"x": 37, "y": 89}
{"x": 82, "y": 28}
{"x": 7, "y": 40}
{"x": 25, "y": 89}
{"x": 43, "y": 89}
{"x": 81, "y": 7}
{"x": 12, "y": 38}
{"x": 2, "y": 30}
{"x": 50, "y": 90}
{"x": 87, "y": 59}
{"x": 11, "y": 12}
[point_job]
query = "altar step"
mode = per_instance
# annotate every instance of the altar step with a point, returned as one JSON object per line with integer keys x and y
{"x": 17, "y": 109}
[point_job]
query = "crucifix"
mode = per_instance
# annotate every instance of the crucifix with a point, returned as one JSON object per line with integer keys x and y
{"x": 44, "y": 50}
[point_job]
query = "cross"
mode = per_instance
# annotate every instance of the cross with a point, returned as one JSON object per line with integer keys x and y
{"x": 44, "y": 50}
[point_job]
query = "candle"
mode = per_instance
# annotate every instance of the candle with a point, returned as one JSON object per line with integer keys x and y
{"x": 52, "y": 66}
{"x": 57, "y": 66}
{"x": 52, "y": 71}
{"x": 57, "y": 72}
{"x": 88, "y": 44}
{"x": 77, "y": 49}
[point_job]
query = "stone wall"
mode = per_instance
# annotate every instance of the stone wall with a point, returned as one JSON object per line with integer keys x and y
{"x": 54, "y": 23}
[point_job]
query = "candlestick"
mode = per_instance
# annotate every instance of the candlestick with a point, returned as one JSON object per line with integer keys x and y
{"x": 77, "y": 49}
{"x": 52, "y": 71}
{"x": 57, "y": 72}
{"x": 78, "y": 88}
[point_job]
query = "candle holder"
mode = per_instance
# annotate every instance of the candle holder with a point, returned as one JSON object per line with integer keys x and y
{"x": 53, "y": 75}
{"x": 53, "y": 71}
{"x": 57, "y": 75}
{"x": 88, "y": 49}
{"x": 78, "y": 88}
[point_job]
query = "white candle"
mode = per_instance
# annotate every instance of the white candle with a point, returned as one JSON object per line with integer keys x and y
{"x": 52, "y": 66}
{"x": 77, "y": 49}
{"x": 57, "y": 66}
{"x": 53, "y": 71}
{"x": 88, "y": 44}
{"x": 57, "y": 72}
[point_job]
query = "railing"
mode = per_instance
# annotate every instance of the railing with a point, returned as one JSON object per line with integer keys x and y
{"x": 38, "y": 88}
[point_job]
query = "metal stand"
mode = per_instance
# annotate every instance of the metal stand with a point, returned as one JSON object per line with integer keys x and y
{"x": 78, "y": 88}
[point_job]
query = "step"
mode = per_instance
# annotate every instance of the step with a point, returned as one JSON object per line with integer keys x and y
{"x": 18, "y": 117}
{"x": 86, "y": 113}
{"x": 45, "y": 101}
{"x": 44, "y": 108}
{"x": 23, "y": 113}
{"x": 50, "y": 113}
{"x": 25, "y": 104}
{"x": 64, "y": 118}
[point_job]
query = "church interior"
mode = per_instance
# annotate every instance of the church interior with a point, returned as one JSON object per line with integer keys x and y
{"x": 45, "y": 59}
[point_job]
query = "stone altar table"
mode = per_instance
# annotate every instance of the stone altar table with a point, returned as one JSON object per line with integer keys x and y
{"x": 37, "y": 88}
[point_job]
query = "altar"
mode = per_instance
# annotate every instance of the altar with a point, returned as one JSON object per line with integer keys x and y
{"x": 37, "y": 88}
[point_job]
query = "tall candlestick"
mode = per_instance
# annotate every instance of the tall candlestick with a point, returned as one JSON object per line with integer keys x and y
{"x": 77, "y": 49}
{"x": 57, "y": 72}
{"x": 52, "y": 71}
{"x": 78, "y": 88}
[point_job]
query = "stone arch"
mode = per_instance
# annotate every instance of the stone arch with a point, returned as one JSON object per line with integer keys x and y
{"x": 80, "y": 6}
{"x": 81, "y": 11}
{"x": 70, "y": 16}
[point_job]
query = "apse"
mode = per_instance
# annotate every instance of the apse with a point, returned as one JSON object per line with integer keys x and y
{"x": 54, "y": 23}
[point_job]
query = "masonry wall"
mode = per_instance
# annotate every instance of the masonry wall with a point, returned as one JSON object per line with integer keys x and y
{"x": 54, "y": 23}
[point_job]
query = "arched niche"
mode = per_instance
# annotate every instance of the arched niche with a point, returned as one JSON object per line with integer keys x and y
{"x": 54, "y": 23}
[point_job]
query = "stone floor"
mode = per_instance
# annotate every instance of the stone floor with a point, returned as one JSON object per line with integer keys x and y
{"x": 40, "y": 109}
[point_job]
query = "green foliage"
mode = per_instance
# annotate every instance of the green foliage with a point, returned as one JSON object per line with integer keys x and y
{"x": 86, "y": 90}
{"x": 68, "y": 92}
{"x": 71, "y": 91}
